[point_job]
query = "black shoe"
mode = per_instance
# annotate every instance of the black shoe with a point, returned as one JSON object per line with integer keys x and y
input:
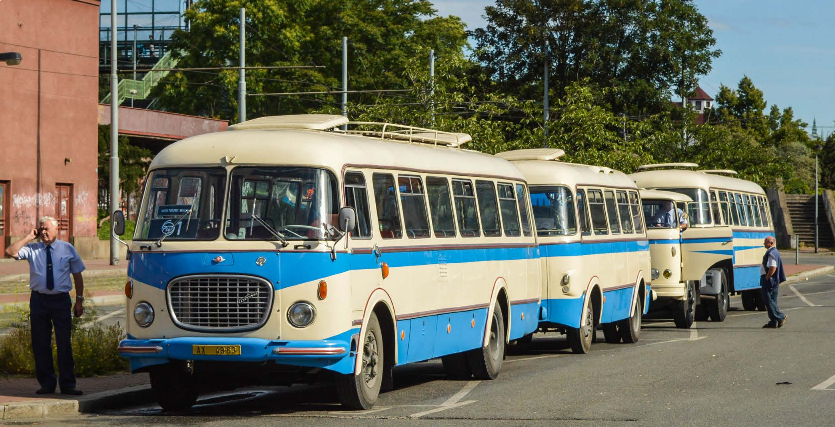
{"x": 44, "y": 390}
{"x": 780, "y": 324}
{"x": 72, "y": 391}
{"x": 770, "y": 325}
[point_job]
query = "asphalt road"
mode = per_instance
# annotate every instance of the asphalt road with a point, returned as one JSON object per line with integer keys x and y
{"x": 730, "y": 373}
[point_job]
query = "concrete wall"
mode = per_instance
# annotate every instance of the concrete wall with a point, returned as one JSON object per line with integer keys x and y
{"x": 49, "y": 101}
{"x": 783, "y": 230}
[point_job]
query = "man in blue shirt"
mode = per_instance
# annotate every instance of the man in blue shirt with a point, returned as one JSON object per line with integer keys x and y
{"x": 666, "y": 216}
{"x": 771, "y": 275}
{"x": 51, "y": 262}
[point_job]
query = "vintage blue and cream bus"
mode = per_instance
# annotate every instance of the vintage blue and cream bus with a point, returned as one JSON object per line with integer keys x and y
{"x": 286, "y": 248}
{"x": 593, "y": 246}
{"x": 722, "y": 248}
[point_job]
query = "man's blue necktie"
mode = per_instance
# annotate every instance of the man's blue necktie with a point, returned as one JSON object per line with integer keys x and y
{"x": 50, "y": 281}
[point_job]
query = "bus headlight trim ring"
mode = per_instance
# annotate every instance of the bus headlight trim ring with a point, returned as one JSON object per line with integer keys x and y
{"x": 143, "y": 313}
{"x": 301, "y": 314}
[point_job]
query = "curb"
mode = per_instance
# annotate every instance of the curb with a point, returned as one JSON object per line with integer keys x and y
{"x": 87, "y": 273}
{"x": 105, "y": 400}
{"x": 801, "y": 277}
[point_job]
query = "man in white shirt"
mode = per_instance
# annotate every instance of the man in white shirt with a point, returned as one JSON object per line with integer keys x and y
{"x": 51, "y": 263}
{"x": 666, "y": 216}
{"x": 771, "y": 275}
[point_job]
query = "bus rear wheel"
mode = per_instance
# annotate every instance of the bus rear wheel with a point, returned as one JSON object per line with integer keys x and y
{"x": 749, "y": 301}
{"x": 611, "y": 333}
{"x": 361, "y": 391}
{"x": 486, "y": 362}
{"x": 580, "y": 338}
{"x": 173, "y": 386}
{"x": 718, "y": 308}
{"x": 684, "y": 311}
{"x": 630, "y": 328}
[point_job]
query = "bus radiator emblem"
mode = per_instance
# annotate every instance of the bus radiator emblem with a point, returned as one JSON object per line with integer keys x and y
{"x": 261, "y": 261}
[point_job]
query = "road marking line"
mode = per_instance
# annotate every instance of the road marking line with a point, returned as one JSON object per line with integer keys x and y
{"x": 532, "y": 358}
{"x": 825, "y": 385}
{"x": 452, "y": 402}
{"x": 675, "y": 340}
{"x": 106, "y": 316}
{"x": 763, "y": 312}
{"x": 694, "y": 333}
{"x": 365, "y": 412}
{"x": 802, "y": 298}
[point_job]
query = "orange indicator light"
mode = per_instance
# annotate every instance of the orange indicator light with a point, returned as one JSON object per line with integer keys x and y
{"x": 472, "y": 324}
{"x": 523, "y": 316}
{"x": 129, "y": 289}
{"x": 448, "y": 328}
{"x": 385, "y": 268}
{"x": 402, "y": 335}
{"x": 322, "y": 292}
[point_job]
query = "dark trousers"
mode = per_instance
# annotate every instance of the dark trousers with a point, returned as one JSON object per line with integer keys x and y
{"x": 770, "y": 300}
{"x": 47, "y": 311}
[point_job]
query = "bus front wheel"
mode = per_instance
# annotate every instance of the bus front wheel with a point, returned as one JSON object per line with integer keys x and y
{"x": 684, "y": 311}
{"x": 718, "y": 308}
{"x": 173, "y": 386}
{"x": 486, "y": 362}
{"x": 580, "y": 338}
{"x": 630, "y": 328}
{"x": 361, "y": 391}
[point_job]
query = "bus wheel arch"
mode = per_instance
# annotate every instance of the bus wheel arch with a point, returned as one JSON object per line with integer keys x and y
{"x": 501, "y": 299}
{"x": 379, "y": 303}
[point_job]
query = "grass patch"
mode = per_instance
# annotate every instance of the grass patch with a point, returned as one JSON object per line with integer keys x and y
{"x": 94, "y": 348}
{"x": 104, "y": 230}
{"x": 91, "y": 283}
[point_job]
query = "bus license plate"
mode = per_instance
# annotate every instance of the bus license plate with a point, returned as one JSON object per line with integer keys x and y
{"x": 216, "y": 350}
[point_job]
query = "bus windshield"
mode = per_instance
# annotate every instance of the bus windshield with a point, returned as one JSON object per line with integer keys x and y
{"x": 300, "y": 203}
{"x": 553, "y": 211}
{"x": 182, "y": 204}
{"x": 699, "y": 210}
{"x": 661, "y": 214}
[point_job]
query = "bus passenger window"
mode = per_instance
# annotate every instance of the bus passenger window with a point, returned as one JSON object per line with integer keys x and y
{"x": 488, "y": 208}
{"x": 465, "y": 208}
{"x": 635, "y": 205}
{"x": 598, "y": 212}
{"x": 625, "y": 215}
{"x": 764, "y": 211}
{"x": 440, "y": 207}
{"x": 356, "y": 196}
{"x": 726, "y": 210}
{"x": 613, "y": 212}
{"x": 583, "y": 212}
{"x": 388, "y": 214}
{"x": 553, "y": 211}
{"x": 740, "y": 207}
{"x": 520, "y": 199}
{"x": 714, "y": 205}
{"x": 510, "y": 217}
{"x": 414, "y": 206}
{"x": 732, "y": 207}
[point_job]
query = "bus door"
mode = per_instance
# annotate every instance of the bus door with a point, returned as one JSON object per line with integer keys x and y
{"x": 702, "y": 246}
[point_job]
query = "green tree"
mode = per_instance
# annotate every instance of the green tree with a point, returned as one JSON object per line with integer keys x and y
{"x": 744, "y": 107}
{"x": 382, "y": 35}
{"x": 133, "y": 162}
{"x": 643, "y": 48}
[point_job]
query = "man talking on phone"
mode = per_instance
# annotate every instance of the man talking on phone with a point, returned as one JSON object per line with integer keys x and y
{"x": 51, "y": 263}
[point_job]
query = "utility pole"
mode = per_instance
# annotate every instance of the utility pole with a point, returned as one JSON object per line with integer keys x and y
{"x": 545, "y": 99}
{"x": 345, "y": 80}
{"x": 133, "y": 89}
{"x": 242, "y": 76}
{"x": 432, "y": 83}
{"x": 817, "y": 148}
{"x": 114, "y": 133}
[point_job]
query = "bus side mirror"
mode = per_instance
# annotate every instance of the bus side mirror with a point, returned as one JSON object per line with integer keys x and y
{"x": 118, "y": 220}
{"x": 347, "y": 219}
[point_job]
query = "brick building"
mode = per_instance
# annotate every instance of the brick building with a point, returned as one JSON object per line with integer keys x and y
{"x": 48, "y": 116}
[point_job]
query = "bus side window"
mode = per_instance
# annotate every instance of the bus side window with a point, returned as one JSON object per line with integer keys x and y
{"x": 440, "y": 206}
{"x": 726, "y": 211}
{"x": 488, "y": 208}
{"x": 740, "y": 207}
{"x": 507, "y": 205}
{"x": 356, "y": 196}
{"x": 636, "y": 212}
{"x": 465, "y": 208}
{"x": 714, "y": 204}
{"x": 414, "y": 206}
{"x": 755, "y": 210}
{"x": 521, "y": 201}
{"x": 623, "y": 210}
{"x": 764, "y": 211}
{"x": 388, "y": 214}
{"x": 597, "y": 208}
{"x": 583, "y": 213}
{"x": 612, "y": 210}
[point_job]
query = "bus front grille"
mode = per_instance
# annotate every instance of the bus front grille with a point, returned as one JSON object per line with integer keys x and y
{"x": 220, "y": 303}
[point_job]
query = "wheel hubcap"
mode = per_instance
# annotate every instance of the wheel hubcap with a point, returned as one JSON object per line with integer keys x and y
{"x": 370, "y": 359}
{"x": 588, "y": 326}
{"x": 493, "y": 345}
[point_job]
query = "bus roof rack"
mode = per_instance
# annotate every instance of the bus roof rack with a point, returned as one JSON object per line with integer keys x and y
{"x": 720, "y": 171}
{"x": 292, "y": 121}
{"x": 668, "y": 166}
{"x": 532, "y": 154}
{"x": 410, "y": 134}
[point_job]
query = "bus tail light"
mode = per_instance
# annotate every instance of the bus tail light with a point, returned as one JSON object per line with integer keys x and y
{"x": 322, "y": 292}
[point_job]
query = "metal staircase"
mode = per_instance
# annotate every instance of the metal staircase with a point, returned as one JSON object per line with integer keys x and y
{"x": 802, "y": 212}
{"x": 143, "y": 87}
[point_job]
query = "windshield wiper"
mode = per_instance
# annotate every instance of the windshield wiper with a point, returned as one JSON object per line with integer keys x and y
{"x": 188, "y": 212}
{"x": 274, "y": 232}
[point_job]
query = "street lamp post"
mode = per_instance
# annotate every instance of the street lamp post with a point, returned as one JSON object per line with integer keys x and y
{"x": 11, "y": 58}
{"x": 817, "y": 150}
{"x": 134, "y": 67}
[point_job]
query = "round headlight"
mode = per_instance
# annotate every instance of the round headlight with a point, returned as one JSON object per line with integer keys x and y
{"x": 667, "y": 273}
{"x": 655, "y": 273}
{"x": 301, "y": 314}
{"x": 144, "y": 314}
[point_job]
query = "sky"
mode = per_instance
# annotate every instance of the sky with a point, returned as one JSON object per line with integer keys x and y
{"x": 784, "y": 46}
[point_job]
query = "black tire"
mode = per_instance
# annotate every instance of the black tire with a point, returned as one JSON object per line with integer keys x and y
{"x": 749, "y": 302}
{"x": 486, "y": 362}
{"x": 630, "y": 328}
{"x": 580, "y": 338}
{"x": 174, "y": 387}
{"x": 361, "y": 391}
{"x": 457, "y": 367}
{"x": 718, "y": 308}
{"x": 684, "y": 312}
{"x": 610, "y": 333}
{"x": 758, "y": 300}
